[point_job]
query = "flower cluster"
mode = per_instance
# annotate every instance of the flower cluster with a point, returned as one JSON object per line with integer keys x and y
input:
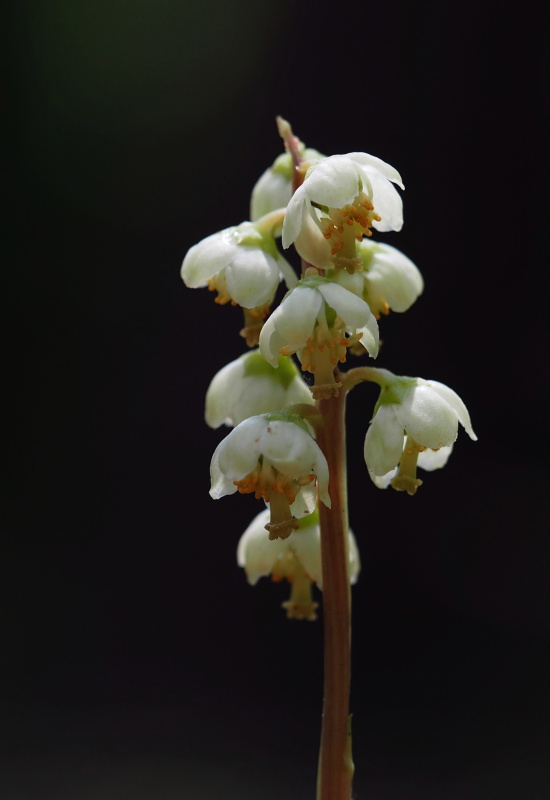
{"x": 327, "y": 207}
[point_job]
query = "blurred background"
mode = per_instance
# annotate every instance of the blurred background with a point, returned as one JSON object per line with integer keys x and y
{"x": 136, "y": 661}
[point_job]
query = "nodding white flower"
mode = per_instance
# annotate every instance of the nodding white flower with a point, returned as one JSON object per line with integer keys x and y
{"x": 274, "y": 456}
{"x": 273, "y": 189}
{"x": 340, "y": 200}
{"x": 388, "y": 281}
{"x": 249, "y": 386}
{"x": 296, "y": 559}
{"x": 427, "y": 413}
{"x": 241, "y": 263}
{"x": 312, "y": 321}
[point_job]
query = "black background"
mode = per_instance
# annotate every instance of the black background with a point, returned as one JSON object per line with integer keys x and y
{"x": 136, "y": 661}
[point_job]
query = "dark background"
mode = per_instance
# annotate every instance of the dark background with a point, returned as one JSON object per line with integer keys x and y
{"x": 136, "y": 661}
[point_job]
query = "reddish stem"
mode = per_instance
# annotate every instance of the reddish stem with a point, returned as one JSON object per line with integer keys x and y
{"x": 335, "y": 760}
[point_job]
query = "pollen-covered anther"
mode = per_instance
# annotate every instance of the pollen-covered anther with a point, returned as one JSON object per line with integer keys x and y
{"x": 378, "y": 305}
{"x": 217, "y": 284}
{"x": 353, "y": 220}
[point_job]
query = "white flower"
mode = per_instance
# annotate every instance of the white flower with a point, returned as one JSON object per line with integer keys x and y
{"x": 242, "y": 264}
{"x": 388, "y": 280}
{"x": 312, "y": 321}
{"x": 298, "y": 559}
{"x": 428, "y": 413}
{"x": 274, "y": 456}
{"x": 273, "y": 189}
{"x": 341, "y": 198}
{"x": 249, "y": 386}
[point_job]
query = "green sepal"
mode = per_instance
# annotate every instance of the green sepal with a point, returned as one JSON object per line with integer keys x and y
{"x": 283, "y": 166}
{"x": 393, "y": 392}
{"x": 282, "y": 416}
{"x": 256, "y": 365}
{"x": 251, "y": 237}
{"x": 311, "y": 519}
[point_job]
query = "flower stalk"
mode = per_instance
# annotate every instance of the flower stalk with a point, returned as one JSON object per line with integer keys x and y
{"x": 288, "y": 444}
{"x": 335, "y": 758}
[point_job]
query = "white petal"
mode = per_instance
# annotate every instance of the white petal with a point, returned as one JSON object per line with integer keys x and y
{"x": 252, "y": 277}
{"x": 272, "y": 190}
{"x": 427, "y": 417}
{"x": 220, "y": 395}
{"x": 293, "y": 451}
{"x": 306, "y": 501}
{"x": 353, "y": 283}
{"x": 270, "y": 341}
{"x": 383, "y": 481}
{"x": 369, "y": 339}
{"x": 387, "y": 203}
{"x": 434, "y": 459}
{"x": 366, "y": 160}
{"x": 352, "y": 309}
{"x": 255, "y": 552}
{"x": 383, "y": 442}
{"x": 392, "y": 275}
{"x": 287, "y": 272}
{"x": 220, "y": 485}
{"x": 354, "y": 559}
{"x": 333, "y": 182}
{"x": 322, "y": 481}
{"x": 298, "y": 392}
{"x": 306, "y": 544}
{"x": 355, "y": 312}
{"x": 456, "y": 404}
{"x": 238, "y": 453}
{"x": 207, "y": 258}
{"x": 295, "y": 318}
{"x": 293, "y": 217}
{"x": 258, "y": 395}
{"x": 312, "y": 246}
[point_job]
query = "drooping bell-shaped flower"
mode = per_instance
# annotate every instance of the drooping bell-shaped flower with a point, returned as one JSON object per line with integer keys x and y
{"x": 312, "y": 321}
{"x": 249, "y": 386}
{"x": 388, "y": 279}
{"x": 427, "y": 413}
{"x": 273, "y": 189}
{"x": 243, "y": 265}
{"x": 296, "y": 559}
{"x": 340, "y": 200}
{"x": 275, "y": 457}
